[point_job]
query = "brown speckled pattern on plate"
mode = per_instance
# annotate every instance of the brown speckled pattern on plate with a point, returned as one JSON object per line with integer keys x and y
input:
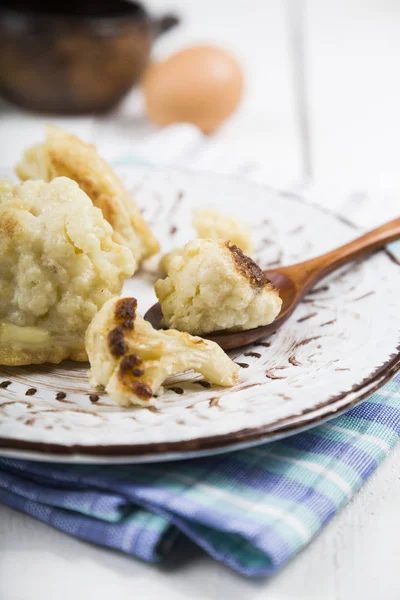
{"x": 338, "y": 347}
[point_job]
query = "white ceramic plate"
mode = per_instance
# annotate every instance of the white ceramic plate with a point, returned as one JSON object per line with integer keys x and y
{"x": 340, "y": 345}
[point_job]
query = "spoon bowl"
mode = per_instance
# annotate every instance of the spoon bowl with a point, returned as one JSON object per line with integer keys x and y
{"x": 294, "y": 281}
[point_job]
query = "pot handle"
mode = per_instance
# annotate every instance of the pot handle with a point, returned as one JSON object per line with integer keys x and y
{"x": 165, "y": 23}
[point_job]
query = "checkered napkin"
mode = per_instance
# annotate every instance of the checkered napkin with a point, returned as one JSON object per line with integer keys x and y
{"x": 252, "y": 510}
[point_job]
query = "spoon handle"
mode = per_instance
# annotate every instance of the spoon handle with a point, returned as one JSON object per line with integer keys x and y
{"x": 309, "y": 272}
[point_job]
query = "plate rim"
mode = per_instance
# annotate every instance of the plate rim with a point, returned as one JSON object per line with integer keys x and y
{"x": 209, "y": 445}
{"x": 206, "y": 446}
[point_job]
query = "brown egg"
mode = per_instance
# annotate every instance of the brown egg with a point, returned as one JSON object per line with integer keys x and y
{"x": 201, "y": 85}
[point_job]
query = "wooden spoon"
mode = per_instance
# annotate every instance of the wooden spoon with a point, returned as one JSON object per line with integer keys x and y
{"x": 294, "y": 281}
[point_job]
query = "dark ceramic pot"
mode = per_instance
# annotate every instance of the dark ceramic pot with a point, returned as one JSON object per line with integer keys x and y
{"x": 75, "y": 57}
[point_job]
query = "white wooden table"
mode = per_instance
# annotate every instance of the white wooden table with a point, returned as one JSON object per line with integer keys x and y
{"x": 352, "y": 53}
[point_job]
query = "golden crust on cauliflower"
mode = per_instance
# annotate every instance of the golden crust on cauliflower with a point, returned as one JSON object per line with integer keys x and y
{"x": 132, "y": 360}
{"x": 58, "y": 265}
{"x": 213, "y": 286}
{"x": 65, "y": 154}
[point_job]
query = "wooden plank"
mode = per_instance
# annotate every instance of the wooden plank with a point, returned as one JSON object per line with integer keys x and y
{"x": 20, "y": 129}
{"x": 352, "y": 65}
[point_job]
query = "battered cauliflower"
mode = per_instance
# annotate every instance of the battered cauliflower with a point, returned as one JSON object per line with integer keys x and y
{"x": 132, "y": 360}
{"x": 58, "y": 265}
{"x": 65, "y": 154}
{"x": 166, "y": 260}
{"x": 210, "y": 224}
{"x": 213, "y": 286}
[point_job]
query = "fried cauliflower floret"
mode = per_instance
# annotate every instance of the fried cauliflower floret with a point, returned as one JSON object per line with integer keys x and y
{"x": 65, "y": 154}
{"x": 167, "y": 258}
{"x": 58, "y": 266}
{"x": 131, "y": 359}
{"x": 210, "y": 224}
{"x": 213, "y": 286}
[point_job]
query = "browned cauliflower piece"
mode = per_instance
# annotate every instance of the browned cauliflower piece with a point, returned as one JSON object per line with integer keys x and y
{"x": 131, "y": 359}
{"x": 65, "y": 154}
{"x": 58, "y": 266}
{"x": 213, "y": 286}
